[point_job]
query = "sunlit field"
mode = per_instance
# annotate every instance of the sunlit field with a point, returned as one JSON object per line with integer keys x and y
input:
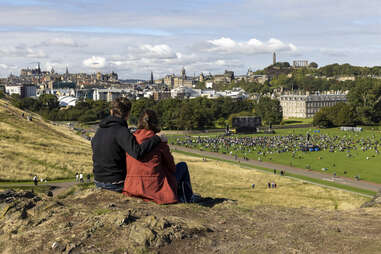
{"x": 356, "y": 162}
{"x": 225, "y": 180}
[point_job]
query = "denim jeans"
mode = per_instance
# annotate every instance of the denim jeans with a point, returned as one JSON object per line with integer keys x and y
{"x": 182, "y": 172}
{"x": 110, "y": 186}
{"x": 184, "y": 190}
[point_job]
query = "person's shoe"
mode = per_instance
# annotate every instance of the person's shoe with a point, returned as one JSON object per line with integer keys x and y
{"x": 195, "y": 198}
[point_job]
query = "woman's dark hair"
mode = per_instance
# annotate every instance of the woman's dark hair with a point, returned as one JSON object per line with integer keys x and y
{"x": 148, "y": 120}
{"x": 121, "y": 107}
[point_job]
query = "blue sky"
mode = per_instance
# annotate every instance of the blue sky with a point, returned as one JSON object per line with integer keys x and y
{"x": 135, "y": 37}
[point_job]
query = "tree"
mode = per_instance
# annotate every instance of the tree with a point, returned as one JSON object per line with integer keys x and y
{"x": 321, "y": 119}
{"x": 269, "y": 110}
{"x": 313, "y": 65}
{"x": 365, "y": 97}
{"x": 49, "y": 101}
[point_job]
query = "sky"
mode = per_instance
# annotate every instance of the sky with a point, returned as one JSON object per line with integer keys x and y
{"x": 134, "y": 38}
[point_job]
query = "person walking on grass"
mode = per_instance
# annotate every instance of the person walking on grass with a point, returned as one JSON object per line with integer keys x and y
{"x": 35, "y": 180}
{"x": 110, "y": 144}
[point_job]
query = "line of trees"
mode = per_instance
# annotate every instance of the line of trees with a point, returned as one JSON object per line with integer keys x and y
{"x": 363, "y": 107}
{"x": 187, "y": 114}
{"x": 203, "y": 113}
{"x": 47, "y": 106}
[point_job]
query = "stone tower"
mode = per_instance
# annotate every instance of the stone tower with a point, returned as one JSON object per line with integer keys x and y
{"x": 202, "y": 77}
{"x": 274, "y": 58}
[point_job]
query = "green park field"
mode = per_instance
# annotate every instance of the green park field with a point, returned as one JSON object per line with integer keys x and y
{"x": 365, "y": 164}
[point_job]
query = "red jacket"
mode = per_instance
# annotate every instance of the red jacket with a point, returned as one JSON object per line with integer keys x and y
{"x": 153, "y": 177}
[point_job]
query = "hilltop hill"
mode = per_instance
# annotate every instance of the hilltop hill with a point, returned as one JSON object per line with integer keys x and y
{"x": 97, "y": 221}
{"x": 38, "y": 147}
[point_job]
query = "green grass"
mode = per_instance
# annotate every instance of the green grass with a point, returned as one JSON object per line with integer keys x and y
{"x": 309, "y": 179}
{"x": 296, "y": 121}
{"x": 38, "y": 189}
{"x": 336, "y": 162}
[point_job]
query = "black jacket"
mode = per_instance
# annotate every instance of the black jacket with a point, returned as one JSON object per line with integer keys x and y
{"x": 110, "y": 144}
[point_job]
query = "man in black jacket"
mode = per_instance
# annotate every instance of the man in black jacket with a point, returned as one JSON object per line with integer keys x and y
{"x": 111, "y": 143}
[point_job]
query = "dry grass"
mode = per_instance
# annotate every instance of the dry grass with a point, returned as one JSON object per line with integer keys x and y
{"x": 37, "y": 147}
{"x": 224, "y": 180}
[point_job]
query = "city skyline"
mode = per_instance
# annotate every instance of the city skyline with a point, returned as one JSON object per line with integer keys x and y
{"x": 134, "y": 39}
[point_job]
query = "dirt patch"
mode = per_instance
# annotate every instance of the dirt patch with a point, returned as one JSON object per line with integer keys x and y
{"x": 96, "y": 221}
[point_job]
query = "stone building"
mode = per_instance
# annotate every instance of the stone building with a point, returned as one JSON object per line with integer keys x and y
{"x": 173, "y": 81}
{"x": 161, "y": 95}
{"x": 227, "y": 77}
{"x": 305, "y": 106}
{"x": 300, "y": 63}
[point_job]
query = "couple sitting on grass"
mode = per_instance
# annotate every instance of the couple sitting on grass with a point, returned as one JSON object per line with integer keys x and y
{"x": 139, "y": 164}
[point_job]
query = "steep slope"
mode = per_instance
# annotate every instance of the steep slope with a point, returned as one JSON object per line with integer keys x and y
{"x": 37, "y": 147}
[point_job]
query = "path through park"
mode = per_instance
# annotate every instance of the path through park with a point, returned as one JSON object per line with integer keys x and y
{"x": 298, "y": 171}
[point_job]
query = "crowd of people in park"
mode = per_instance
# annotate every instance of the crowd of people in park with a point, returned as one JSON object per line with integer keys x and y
{"x": 276, "y": 144}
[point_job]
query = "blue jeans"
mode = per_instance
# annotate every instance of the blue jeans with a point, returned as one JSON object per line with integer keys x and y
{"x": 110, "y": 186}
{"x": 184, "y": 190}
{"x": 182, "y": 172}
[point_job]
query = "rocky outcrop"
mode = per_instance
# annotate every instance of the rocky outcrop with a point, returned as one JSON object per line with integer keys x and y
{"x": 97, "y": 221}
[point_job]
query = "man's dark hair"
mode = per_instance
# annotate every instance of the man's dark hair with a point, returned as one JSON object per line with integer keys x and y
{"x": 148, "y": 120}
{"x": 121, "y": 107}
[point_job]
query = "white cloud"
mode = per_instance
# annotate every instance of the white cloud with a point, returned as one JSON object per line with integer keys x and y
{"x": 95, "y": 62}
{"x": 32, "y": 53}
{"x": 253, "y": 46}
{"x": 64, "y": 42}
{"x": 21, "y": 51}
{"x": 161, "y": 51}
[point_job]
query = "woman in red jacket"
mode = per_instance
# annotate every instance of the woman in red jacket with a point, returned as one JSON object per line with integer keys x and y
{"x": 155, "y": 177}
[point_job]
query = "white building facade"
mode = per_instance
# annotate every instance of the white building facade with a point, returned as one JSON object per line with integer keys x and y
{"x": 306, "y": 106}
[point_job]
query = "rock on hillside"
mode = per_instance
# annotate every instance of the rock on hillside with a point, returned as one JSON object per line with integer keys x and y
{"x": 98, "y": 221}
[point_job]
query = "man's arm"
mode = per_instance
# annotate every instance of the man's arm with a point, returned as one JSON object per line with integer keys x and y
{"x": 129, "y": 144}
{"x": 168, "y": 159}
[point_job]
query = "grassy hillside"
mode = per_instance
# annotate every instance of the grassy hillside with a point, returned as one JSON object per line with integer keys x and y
{"x": 37, "y": 147}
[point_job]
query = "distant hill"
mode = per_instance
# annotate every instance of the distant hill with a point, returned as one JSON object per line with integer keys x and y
{"x": 36, "y": 147}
